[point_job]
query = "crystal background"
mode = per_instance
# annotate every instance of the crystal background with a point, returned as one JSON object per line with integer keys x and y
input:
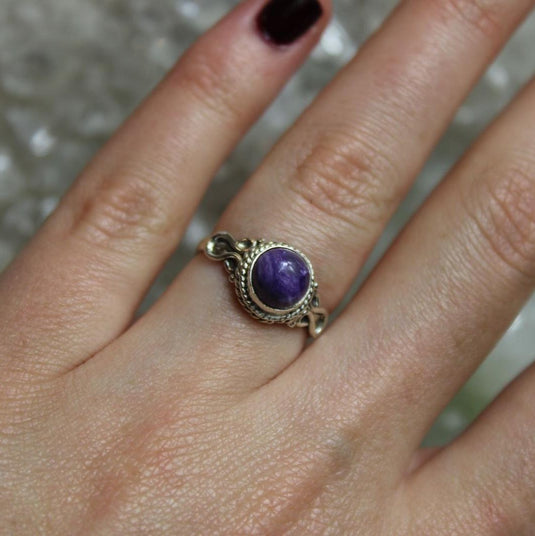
{"x": 72, "y": 70}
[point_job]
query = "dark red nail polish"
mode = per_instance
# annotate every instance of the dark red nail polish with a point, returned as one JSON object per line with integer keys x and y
{"x": 283, "y": 21}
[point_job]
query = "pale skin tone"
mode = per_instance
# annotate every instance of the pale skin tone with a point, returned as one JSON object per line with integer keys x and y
{"x": 195, "y": 418}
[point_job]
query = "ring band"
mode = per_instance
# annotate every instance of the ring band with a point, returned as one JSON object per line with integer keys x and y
{"x": 273, "y": 281}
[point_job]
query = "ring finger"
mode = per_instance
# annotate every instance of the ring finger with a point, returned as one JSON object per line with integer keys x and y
{"x": 332, "y": 182}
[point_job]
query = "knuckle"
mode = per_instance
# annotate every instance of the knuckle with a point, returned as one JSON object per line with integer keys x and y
{"x": 344, "y": 179}
{"x": 506, "y": 218}
{"x": 211, "y": 76}
{"x": 122, "y": 211}
{"x": 481, "y": 15}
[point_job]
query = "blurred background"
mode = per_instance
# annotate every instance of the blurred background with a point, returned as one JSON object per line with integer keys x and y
{"x": 72, "y": 70}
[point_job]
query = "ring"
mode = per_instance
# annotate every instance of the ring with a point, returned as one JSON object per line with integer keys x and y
{"x": 273, "y": 281}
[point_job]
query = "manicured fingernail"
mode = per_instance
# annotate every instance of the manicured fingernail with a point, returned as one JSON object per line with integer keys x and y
{"x": 283, "y": 21}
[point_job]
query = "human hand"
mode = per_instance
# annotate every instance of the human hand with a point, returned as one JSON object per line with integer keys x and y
{"x": 197, "y": 419}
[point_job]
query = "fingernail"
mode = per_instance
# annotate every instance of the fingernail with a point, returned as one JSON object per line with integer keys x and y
{"x": 283, "y": 21}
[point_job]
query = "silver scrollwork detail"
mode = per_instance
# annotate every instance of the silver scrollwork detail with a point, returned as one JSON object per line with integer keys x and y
{"x": 239, "y": 257}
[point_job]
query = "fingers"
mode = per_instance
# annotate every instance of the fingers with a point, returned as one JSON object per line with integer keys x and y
{"x": 82, "y": 277}
{"x": 454, "y": 281}
{"x": 486, "y": 477}
{"x": 334, "y": 180}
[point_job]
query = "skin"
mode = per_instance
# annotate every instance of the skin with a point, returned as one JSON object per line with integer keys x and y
{"x": 197, "y": 420}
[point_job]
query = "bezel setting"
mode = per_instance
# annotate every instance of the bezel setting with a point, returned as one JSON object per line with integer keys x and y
{"x": 245, "y": 290}
{"x": 239, "y": 258}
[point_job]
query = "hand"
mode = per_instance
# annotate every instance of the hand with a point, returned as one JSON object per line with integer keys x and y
{"x": 198, "y": 420}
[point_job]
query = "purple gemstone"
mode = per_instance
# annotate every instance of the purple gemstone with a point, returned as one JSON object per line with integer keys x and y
{"x": 280, "y": 278}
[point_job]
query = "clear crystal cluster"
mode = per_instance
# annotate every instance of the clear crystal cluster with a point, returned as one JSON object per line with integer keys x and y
{"x": 72, "y": 70}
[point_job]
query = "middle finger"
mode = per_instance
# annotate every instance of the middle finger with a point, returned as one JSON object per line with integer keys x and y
{"x": 333, "y": 181}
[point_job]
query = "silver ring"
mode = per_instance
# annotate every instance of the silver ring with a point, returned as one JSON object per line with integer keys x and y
{"x": 273, "y": 281}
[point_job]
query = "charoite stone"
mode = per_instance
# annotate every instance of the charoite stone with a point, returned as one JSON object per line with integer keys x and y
{"x": 280, "y": 278}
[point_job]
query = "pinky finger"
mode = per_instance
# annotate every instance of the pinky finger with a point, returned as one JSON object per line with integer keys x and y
{"x": 77, "y": 285}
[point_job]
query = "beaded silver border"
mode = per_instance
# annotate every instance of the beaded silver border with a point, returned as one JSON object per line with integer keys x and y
{"x": 248, "y": 297}
{"x": 239, "y": 257}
